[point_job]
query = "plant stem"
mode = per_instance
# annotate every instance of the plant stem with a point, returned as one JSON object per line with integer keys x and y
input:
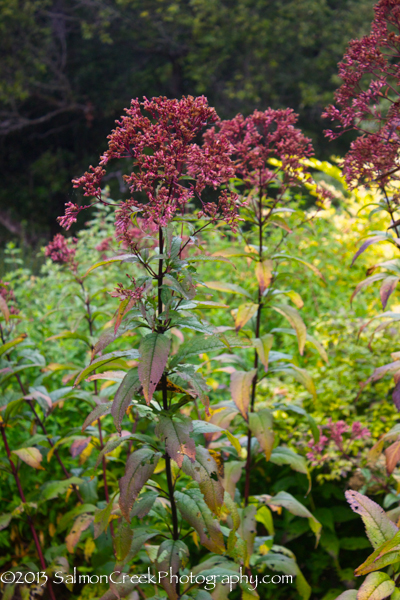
{"x": 30, "y": 522}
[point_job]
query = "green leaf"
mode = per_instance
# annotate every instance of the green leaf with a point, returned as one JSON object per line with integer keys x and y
{"x": 141, "y": 535}
{"x": 195, "y": 511}
{"x": 175, "y": 432}
{"x": 104, "y": 360}
{"x": 310, "y": 266}
{"x": 69, "y": 335}
{"x": 247, "y": 529}
{"x": 230, "y": 288}
{"x": 376, "y": 587}
{"x": 260, "y": 425}
{"x": 386, "y": 554}
{"x": 143, "y": 504}
{"x": 296, "y": 508}
{"x": 264, "y": 516}
{"x": 285, "y": 456}
{"x": 379, "y": 527}
{"x": 55, "y": 488}
{"x": 108, "y": 261}
{"x": 240, "y": 387}
{"x": 154, "y": 351}
{"x": 4, "y": 309}
{"x": 30, "y": 456}
{"x": 79, "y": 526}
{"x": 139, "y": 468}
{"x": 102, "y": 518}
{"x": 170, "y": 556}
{"x": 264, "y": 274}
{"x": 263, "y": 346}
{"x": 199, "y": 344}
{"x": 9, "y": 345}
{"x": 5, "y": 519}
{"x": 348, "y": 595}
{"x": 294, "y": 318}
{"x": 123, "y": 540}
{"x": 282, "y": 563}
{"x": 124, "y": 395}
{"x": 244, "y": 313}
{"x": 204, "y": 470}
{"x": 96, "y": 413}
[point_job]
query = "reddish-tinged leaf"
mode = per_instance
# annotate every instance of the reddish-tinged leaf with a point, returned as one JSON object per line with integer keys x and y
{"x": 264, "y": 274}
{"x": 244, "y": 313}
{"x": 369, "y": 242}
{"x": 232, "y": 474}
{"x": 30, "y": 456}
{"x": 104, "y": 360}
{"x": 139, "y": 468}
{"x": 96, "y": 413}
{"x": 175, "y": 432}
{"x": 379, "y": 527}
{"x": 78, "y": 446}
{"x": 260, "y": 424}
{"x": 222, "y": 416}
{"x": 263, "y": 346}
{"x": 366, "y": 283}
{"x": 396, "y": 395}
{"x": 170, "y": 555}
{"x": 154, "y": 351}
{"x": 79, "y": 526}
{"x": 123, "y": 397}
{"x": 392, "y": 454}
{"x": 4, "y": 309}
{"x": 204, "y": 470}
{"x": 376, "y": 586}
{"x": 241, "y": 382}
{"x": 387, "y": 289}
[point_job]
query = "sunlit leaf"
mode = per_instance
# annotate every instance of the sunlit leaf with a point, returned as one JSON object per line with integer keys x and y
{"x": 240, "y": 387}
{"x": 294, "y": 318}
{"x": 376, "y": 587}
{"x": 378, "y": 526}
{"x": 244, "y": 313}
{"x": 30, "y": 456}
{"x": 229, "y": 288}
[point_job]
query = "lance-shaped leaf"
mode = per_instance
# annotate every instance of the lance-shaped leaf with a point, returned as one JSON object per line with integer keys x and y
{"x": 377, "y": 586}
{"x": 5, "y": 520}
{"x": 296, "y": 508}
{"x": 294, "y": 318}
{"x": 247, "y": 528}
{"x": 231, "y": 288}
{"x": 195, "y": 511}
{"x": 367, "y": 282}
{"x": 384, "y": 555}
{"x": 175, "y": 432}
{"x": 9, "y": 345}
{"x": 387, "y": 288}
{"x": 369, "y": 242}
{"x": 96, "y": 413}
{"x": 104, "y": 360}
{"x": 241, "y": 383}
{"x": 285, "y": 456}
{"x": 79, "y": 526}
{"x": 170, "y": 556}
{"x": 144, "y": 504}
{"x": 392, "y": 454}
{"x": 123, "y": 397}
{"x": 140, "y": 536}
{"x": 260, "y": 425}
{"x": 30, "y": 456}
{"x": 264, "y": 274}
{"x": 199, "y": 344}
{"x": 4, "y": 309}
{"x": 139, "y": 468}
{"x": 263, "y": 346}
{"x": 204, "y": 470}
{"x": 286, "y": 563}
{"x": 123, "y": 540}
{"x": 244, "y": 313}
{"x": 102, "y": 518}
{"x": 154, "y": 350}
{"x": 108, "y": 261}
{"x": 232, "y": 474}
{"x": 379, "y": 527}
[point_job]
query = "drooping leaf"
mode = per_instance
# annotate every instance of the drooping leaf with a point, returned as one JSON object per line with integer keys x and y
{"x": 367, "y": 282}
{"x": 231, "y": 288}
{"x": 285, "y": 456}
{"x": 232, "y": 474}
{"x": 240, "y": 387}
{"x": 139, "y": 468}
{"x": 296, "y": 508}
{"x": 294, "y": 318}
{"x": 368, "y": 242}
{"x": 376, "y": 587}
{"x": 79, "y": 526}
{"x": 264, "y": 274}
{"x": 384, "y": 555}
{"x": 263, "y": 346}
{"x": 170, "y": 555}
{"x": 144, "y": 504}
{"x": 123, "y": 397}
{"x": 102, "y": 518}
{"x": 154, "y": 351}
{"x": 378, "y": 526}
{"x": 261, "y": 426}
{"x": 204, "y": 470}
{"x": 310, "y": 266}
{"x": 175, "y": 432}
{"x": 264, "y": 516}
{"x": 56, "y": 488}
{"x": 30, "y": 456}
{"x": 201, "y": 344}
{"x": 104, "y": 360}
{"x": 195, "y": 511}
{"x": 245, "y": 313}
{"x": 387, "y": 288}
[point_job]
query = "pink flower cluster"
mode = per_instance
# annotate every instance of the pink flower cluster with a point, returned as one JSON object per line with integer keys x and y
{"x": 168, "y": 168}
{"x": 60, "y": 251}
{"x": 368, "y": 100}
{"x": 261, "y": 137}
{"x": 133, "y": 295}
{"x": 335, "y": 435}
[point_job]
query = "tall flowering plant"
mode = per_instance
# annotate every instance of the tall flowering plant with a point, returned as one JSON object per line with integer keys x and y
{"x": 172, "y": 485}
{"x": 367, "y": 102}
{"x": 270, "y": 156}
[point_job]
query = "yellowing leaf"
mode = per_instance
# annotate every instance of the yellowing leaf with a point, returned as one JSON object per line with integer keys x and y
{"x": 30, "y": 456}
{"x": 260, "y": 425}
{"x": 294, "y": 318}
{"x": 376, "y": 587}
{"x": 263, "y": 346}
{"x": 204, "y": 470}
{"x": 264, "y": 274}
{"x": 79, "y": 526}
{"x": 234, "y": 441}
{"x": 241, "y": 383}
{"x": 4, "y": 309}
{"x": 379, "y": 527}
{"x": 244, "y": 313}
{"x": 231, "y": 288}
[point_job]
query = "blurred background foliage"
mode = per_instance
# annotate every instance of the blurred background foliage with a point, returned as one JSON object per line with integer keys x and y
{"x": 69, "y": 67}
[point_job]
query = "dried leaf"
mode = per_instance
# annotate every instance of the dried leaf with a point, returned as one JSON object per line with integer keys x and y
{"x": 392, "y": 454}
{"x": 4, "y": 309}
{"x": 241, "y": 383}
{"x": 154, "y": 351}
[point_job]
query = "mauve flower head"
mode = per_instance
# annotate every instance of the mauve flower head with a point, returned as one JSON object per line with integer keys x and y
{"x": 60, "y": 251}
{"x": 368, "y": 101}
{"x": 358, "y": 432}
{"x": 169, "y": 169}
{"x": 260, "y": 137}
